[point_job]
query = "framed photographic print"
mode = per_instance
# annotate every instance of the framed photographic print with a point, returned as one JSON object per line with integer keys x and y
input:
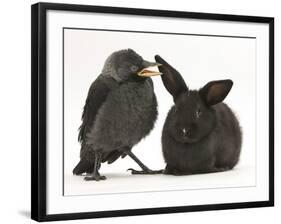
{"x": 139, "y": 111}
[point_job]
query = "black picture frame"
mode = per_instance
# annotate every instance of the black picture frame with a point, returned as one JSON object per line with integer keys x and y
{"x": 38, "y": 109}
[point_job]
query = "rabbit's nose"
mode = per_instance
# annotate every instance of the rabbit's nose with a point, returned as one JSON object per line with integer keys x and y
{"x": 185, "y": 131}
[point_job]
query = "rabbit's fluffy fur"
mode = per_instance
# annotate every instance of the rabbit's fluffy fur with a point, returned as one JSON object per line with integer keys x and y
{"x": 201, "y": 134}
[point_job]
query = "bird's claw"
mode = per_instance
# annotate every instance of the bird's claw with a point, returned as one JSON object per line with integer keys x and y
{"x": 133, "y": 171}
{"x": 96, "y": 178}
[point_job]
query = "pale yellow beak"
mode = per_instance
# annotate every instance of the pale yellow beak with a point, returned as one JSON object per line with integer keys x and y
{"x": 148, "y": 73}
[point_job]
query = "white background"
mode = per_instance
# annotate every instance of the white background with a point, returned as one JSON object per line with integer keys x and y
{"x": 199, "y": 59}
{"x": 15, "y": 97}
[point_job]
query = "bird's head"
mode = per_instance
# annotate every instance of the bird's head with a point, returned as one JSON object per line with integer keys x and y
{"x": 126, "y": 65}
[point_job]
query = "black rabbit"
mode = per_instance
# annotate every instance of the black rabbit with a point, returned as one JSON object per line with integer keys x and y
{"x": 201, "y": 134}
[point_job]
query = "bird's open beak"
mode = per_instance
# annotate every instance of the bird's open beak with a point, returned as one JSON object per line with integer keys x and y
{"x": 146, "y": 72}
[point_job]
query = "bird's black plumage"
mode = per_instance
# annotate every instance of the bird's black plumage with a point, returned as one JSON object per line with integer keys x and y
{"x": 119, "y": 111}
{"x": 96, "y": 96}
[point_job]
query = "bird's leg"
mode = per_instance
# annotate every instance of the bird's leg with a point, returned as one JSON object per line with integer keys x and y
{"x": 145, "y": 169}
{"x": 96, "y": 175}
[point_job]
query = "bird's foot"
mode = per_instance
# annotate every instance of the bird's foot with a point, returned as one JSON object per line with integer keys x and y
{"x": 146, "y": 171}
{"x": 95, "y": 177}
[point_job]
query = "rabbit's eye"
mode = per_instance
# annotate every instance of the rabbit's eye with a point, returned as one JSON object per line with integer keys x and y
{"x": 198, "y": 113}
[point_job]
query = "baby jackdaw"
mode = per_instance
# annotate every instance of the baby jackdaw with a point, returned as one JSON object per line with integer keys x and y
{"x": 120, "y": 110}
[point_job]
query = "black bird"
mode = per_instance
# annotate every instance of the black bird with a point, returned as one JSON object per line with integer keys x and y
{"x": 120, "y": 110}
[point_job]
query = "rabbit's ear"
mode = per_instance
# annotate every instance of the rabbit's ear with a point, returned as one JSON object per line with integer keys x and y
{"x": 171, "y": 78}
{"x": 215, "y": 92}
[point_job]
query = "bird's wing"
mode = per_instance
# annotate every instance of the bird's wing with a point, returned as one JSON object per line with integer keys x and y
{"x": 97, "y": 94}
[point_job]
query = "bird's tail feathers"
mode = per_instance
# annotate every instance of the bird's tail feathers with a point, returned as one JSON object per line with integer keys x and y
{"x": 84, "y": 166}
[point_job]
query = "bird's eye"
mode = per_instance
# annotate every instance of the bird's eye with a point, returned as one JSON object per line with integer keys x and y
{"x": 198, "y": 113}
{"x": 134, "y": 68}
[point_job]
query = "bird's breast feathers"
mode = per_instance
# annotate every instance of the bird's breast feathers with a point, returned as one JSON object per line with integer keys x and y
{"x": 130, "y": 99}
{"x": 128, "y": 114}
